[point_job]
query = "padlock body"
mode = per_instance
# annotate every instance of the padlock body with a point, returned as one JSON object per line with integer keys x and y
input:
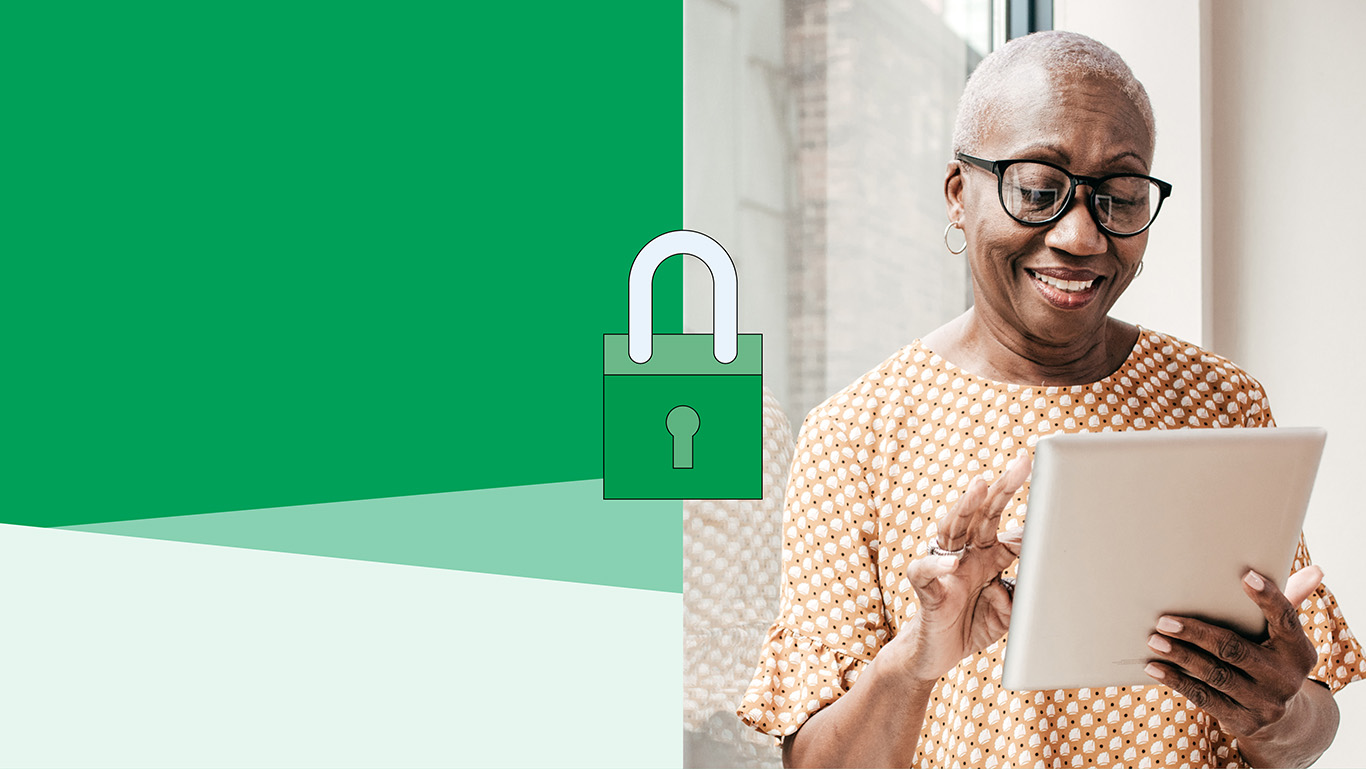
{"x": 727, "y": 449}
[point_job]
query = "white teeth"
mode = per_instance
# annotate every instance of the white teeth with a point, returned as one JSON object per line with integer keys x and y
{"x": 1065, "y": 285}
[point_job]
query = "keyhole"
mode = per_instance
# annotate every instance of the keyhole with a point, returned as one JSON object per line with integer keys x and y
{"x": 682, "y": 423}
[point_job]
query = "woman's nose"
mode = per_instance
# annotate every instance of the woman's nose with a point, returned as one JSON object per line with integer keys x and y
{"x": 1077, "y": 232}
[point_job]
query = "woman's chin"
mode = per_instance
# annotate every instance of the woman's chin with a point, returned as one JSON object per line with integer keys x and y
{"x": 1073, "y": 329}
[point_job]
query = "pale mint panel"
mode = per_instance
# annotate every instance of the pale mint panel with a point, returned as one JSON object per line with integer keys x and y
{"x": 559, "y": 531}
{"x": 128, "y": 652}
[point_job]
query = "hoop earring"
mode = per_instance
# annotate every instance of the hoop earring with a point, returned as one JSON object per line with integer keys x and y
{"x": 1140, "y": 269}
{"x": 965, "y": 238}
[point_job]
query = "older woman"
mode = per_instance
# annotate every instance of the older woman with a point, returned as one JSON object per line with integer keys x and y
{"x": 889, "y": 645}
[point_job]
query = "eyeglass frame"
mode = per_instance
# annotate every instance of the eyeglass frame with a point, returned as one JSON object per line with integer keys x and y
{"x": 998, "y": 167}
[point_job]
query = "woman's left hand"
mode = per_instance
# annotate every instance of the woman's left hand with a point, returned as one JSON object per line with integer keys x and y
{"x": 1245, "y": 684}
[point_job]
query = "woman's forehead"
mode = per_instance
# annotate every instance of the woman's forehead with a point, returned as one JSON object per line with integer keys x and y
{"x": 1071, "y": 119}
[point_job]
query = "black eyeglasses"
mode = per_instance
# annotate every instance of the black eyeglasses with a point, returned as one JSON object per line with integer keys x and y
{"x": 1036, "y": 193}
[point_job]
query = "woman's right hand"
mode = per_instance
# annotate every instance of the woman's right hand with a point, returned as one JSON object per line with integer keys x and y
{"x": 964, "y": 606}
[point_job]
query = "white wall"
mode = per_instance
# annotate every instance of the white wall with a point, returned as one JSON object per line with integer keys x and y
{"x": 1289, "y": 261}
{"x": 1280, "y": 268}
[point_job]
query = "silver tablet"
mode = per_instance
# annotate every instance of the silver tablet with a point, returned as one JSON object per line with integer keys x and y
{"x": 1124, "y": 527}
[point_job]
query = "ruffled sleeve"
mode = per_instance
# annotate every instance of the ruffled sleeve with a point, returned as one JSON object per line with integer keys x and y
{"x": 831, "y": 620}
{"x": 1340, "y": 659}
{"x": 797, "y": 676}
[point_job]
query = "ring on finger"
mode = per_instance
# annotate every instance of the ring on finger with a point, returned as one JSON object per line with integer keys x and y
{"x": 935, "y": 549}
{"x": 1009, "y": 583}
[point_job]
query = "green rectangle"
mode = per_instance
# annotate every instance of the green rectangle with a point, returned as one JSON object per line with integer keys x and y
{"x": 727, "y": 448}
{"x": 265, "y": 254}
{"x": 683, "y": 354}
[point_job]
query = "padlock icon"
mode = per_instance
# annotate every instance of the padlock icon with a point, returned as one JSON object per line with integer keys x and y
{"x": 682, "y": 414}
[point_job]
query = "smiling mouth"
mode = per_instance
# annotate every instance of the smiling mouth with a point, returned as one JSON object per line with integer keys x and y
{"x": 1066, "y": 294}
{"x": 1070, "y": 286}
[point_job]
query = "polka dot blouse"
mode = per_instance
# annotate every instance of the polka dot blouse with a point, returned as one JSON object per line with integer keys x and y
{"x": 877, "y": 466}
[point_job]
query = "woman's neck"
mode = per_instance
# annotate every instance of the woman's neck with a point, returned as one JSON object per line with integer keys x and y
{"x": 971, "y": 343}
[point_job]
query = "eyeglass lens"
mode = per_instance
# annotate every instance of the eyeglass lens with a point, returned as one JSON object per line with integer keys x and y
{"x": 1034, "y": 192}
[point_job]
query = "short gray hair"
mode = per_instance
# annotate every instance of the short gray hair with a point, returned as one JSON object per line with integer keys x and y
{"x": 1058, "y": 54}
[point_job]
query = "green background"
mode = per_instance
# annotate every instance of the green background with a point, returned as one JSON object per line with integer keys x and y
{"x": 271, "y": 254}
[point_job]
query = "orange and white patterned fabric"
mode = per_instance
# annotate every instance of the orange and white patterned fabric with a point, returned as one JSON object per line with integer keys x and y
{"x": 880, "y": 462}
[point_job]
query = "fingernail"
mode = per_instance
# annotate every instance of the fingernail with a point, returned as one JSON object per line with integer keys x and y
{"x": 1168, "y": 625}
{"x": 948, "y": 561}
{"x": 1254, "y": 580}
{"x": 1158, "y": 643}
{"x": 1154, "y": 671}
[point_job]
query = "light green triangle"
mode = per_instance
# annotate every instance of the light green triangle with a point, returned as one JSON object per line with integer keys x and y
{"x": 559, "y": 531}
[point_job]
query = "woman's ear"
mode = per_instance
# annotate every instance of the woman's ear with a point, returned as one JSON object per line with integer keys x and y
{"x": 953, "y": 191}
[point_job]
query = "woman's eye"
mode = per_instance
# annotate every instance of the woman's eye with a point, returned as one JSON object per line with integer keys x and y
{"x": 1038, "y": 197}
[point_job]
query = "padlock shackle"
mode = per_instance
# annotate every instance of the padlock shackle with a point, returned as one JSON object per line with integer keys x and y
{"x": 640, "y": 297}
